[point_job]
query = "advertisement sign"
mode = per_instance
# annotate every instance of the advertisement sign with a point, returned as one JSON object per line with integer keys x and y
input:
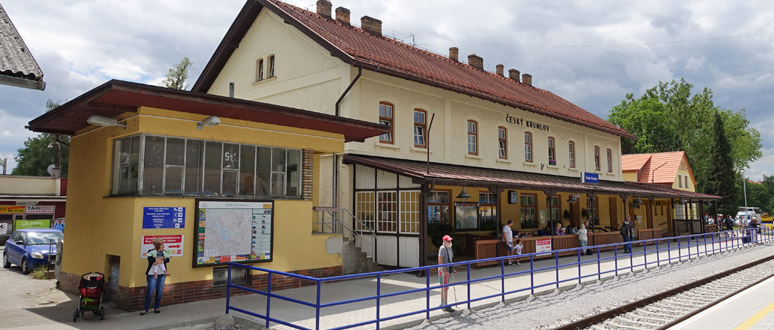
{"x": 543, "y": 245}
{"x": 163, "y": 217}
{"x": 587, "y": 177}
{"x": 233, "y": 231}
{"x": 4, "y": 228}
{"x": 172, "y": 243}
{"x": 513, "y": 197}
{"x": 23, "y": 224}
{"x": 40, "y": 209}
{"x": 6, "y": 209}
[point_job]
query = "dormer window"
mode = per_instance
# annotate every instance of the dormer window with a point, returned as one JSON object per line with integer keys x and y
{"x": 259, "y": 69}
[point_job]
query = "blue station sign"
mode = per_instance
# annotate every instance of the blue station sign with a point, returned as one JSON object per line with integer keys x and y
{"x": 163, "y": 217}
{"x": 590, "y": 177}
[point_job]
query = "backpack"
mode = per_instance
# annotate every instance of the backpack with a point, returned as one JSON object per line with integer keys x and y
{"x": 625, "y": 230}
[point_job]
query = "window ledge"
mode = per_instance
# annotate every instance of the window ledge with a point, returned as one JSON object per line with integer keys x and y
{"x": 264, "y": 80}
{"x": 469, "y": 156}
{"x": 572, "y": 169}
{"x": 504, "y": 161}
{"x": 386, "y": 145}
{"x": 552, "y": 166}
{"x": 530, "y": 164}
{"x": 419, "y": 150}
{"x": 610, "y": 174}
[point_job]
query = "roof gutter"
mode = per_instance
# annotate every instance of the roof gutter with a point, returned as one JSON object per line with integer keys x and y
{"x": 352, "y": 83}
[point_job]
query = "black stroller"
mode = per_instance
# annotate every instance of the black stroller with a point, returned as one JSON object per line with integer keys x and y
{"x": 91, "y": 288}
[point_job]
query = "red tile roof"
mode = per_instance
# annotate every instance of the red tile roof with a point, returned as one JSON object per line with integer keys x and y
{"x": 656, "y": 167}
{"x": 446, "y": 174}
{"x": 385, "y": 55}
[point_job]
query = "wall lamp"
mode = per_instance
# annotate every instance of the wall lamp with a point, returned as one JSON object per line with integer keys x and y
{"x": 209, "y": 122}
{"x": 104, "y": 121}
{"x": 463, "y": 195}
{"x": 573, "y": 198}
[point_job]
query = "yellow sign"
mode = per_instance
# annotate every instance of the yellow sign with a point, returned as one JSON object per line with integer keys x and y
{"x": 5, "y": 209}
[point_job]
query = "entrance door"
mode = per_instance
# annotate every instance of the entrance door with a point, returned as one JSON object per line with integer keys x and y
{"x": 613, "y": 206}
{"x": 114, "y": 271}
{"x": 649, "y": 209}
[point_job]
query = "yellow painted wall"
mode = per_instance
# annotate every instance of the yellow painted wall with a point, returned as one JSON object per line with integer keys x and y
{"x": 682, "y": 172}
{"x": 630, "y": 176}
{"x": 100, "y": 225}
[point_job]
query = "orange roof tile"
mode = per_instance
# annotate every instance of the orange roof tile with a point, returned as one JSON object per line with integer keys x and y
{"x": 385, "y": 55}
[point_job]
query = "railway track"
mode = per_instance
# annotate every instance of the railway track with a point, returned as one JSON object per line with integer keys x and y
{"x": 674, "y": 306}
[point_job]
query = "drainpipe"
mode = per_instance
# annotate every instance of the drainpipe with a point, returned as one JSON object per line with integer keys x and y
{"x": 335, "y": 200}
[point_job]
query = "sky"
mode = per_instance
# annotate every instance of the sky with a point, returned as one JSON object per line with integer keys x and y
{"x": 591, "y": 53}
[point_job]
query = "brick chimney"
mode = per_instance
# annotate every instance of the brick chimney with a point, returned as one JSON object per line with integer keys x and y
{"x": 324, "y": 8}
{"x": 342, "y": 15}
{"x": 476, "y": 61}
{"x": 514, "y": 74}
{"x": 454, "y": 54}
{"x": 527, "y": 78}
{"x": 499, "y": 70}
{"x": 371, "y": 25}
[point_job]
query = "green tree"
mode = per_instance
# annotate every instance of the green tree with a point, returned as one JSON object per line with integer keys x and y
{"x": 177, "y": 75}
{"x": 721, "y": 178}
{"x": 41, "y": 151}
{"x": 670, "y": 117}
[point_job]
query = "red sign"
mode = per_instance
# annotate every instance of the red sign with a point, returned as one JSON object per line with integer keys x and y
{"x": 543, "y": 245}
{"x": 172, "y": 243}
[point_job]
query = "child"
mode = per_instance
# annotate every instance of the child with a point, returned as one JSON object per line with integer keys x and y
{"x": 518, "y": 246}
{"x": 160, "y": 268}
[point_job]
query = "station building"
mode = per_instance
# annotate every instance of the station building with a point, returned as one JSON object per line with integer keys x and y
{"x": 219, "y": 179}
{"x": 517, "y": 151}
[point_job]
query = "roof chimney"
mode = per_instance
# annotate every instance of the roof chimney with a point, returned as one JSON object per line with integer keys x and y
{"x": 527, "y": 78}
{"x": 476, "y": 61}
{"x": 342, "y": 15}
{"x": 454, "y": 54}
{"x": 324, "y": 8}
{"x": 514, "y": 74}
{"x": 371, "y": 25}
{"x": 499, "y": 69}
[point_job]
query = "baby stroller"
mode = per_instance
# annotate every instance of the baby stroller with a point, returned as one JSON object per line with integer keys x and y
{"x": 91, "y": 287}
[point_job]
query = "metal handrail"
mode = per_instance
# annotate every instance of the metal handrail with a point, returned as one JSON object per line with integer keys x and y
{"x": 337, "y": 225}
{"x": 715, "y": 239}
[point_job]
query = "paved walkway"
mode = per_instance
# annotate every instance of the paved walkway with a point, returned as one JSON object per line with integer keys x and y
{"x": 33, "y": 304}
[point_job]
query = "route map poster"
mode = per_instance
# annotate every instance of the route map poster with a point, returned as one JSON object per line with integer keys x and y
{"x": 233, "y": 231}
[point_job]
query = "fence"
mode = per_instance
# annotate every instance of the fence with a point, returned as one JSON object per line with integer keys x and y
{"x": 654, "y": 253}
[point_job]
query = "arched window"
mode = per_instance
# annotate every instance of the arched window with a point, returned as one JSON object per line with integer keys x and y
{"x": 259, "y": 69}
{"x": 386, "y": 118}
{"x": 609, "y": 161}
{"x": 528, "y": 147}
{"x": 596, "y": 159}
{"x": 571, "y": 147}
{"x": 271, "y": 66}
{"x": 551, "y": 151}
{"x": 420, "y": 128}
{"x": 502, "y": 142}
{"x": 472, "y": 137}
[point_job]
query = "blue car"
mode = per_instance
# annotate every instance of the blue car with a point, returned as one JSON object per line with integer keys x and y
{"x": 31, "y": 248}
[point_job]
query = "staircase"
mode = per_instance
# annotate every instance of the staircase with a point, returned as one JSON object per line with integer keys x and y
{"x": 358, "y": 245}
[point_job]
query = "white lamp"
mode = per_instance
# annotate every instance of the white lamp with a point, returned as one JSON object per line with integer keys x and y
{"x": 104, "y": 121}
{"x": 209, "y": 122}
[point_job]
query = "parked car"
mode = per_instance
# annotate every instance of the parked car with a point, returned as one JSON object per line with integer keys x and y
{"x": 30, "y": 248}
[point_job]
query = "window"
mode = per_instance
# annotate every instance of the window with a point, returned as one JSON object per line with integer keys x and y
{"x": 364, "y": 209}
{"x": 271, "y": 66}
{"x": 472, "y": 137}
{"x": 387, "y": 211}
{"x": 571, "y": 147}
{"x": 609, "y": 161}
{"x": 179, "y": 166}
{"x": 528, "y": 214}
{"x": 502, "y": 142}
{"x": 385, "y": 118}
{"x": 528, "y": 147}
{"x": 551, "y": 151}
{"x": 420, "y": 127}
{"x": 591, "y": 208}
{"x": 259, "y": 69}
{"x": 487, "y": 211}
{"x": 680, "y": 180}
{"x": 438, "y": 206}
{"x": 555, "y": 208}
{"x": 596, "y": 159}
{"x": 409, "y": 211}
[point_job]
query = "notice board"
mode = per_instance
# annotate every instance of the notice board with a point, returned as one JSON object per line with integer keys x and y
{"x": 233, "y": 231}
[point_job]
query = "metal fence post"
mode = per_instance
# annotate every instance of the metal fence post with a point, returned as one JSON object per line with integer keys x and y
{"x": 378, "y": 297}
{"x": 679, "y": 250}
{"x": 532, "y": 274}
{"x": 468, "y": 264}
{"x": 705, "y": 244}
{"x": 268, "y": 301}
{"x": 228, "y": 289}
{"x": 631, "y": 257}
{"x": 645, "y": 253}
{"x": 317, "y": 307}
{"x": 669, "y": 251}
{"x": 427, "y": 293}
{"x": 502, "y": 280}
{"x": 615, "y": 253}
{"x": 556, "y": 257}
{"x": 579, "y": 266}
{"x": 599, "y": 266}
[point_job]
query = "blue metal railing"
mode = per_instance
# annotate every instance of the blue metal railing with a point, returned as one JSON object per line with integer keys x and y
{"x": 717, "y": 241}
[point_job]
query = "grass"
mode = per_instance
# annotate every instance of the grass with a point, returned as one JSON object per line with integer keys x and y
{"x": 40, "y": 273}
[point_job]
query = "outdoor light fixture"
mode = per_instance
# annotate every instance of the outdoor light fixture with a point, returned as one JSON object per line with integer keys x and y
{"x": 463, "y": 194}
{"x": 209, "y": 122}
{"x": 104, "y": 121}
{"x": 573, "y": 198}
{"x": 638, "y": 201}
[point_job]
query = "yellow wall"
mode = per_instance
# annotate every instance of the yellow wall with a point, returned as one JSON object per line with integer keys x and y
{"x": 682, "y": 172}
{"x": 630, "y": 176}
{"x": 100, "y": 225}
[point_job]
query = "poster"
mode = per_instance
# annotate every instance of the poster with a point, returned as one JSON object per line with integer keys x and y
{"x": 8, "y": 209}
{"x": 172, "y": 243}
{"x": 40, "y": 209}
{"x": 22, "y": 224}
{"x": 543, "y": 245}
{"x": 465, "y": 216}
{"x": 233, "y": 231}
{"x": 4, "y": 228}
{"x": 163, "y": 217}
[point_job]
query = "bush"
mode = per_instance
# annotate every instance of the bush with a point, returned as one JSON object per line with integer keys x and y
{"x": 40, "y": 273}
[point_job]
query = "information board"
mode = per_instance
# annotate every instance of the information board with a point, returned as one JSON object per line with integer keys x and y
{"x": 172, "y": 243}
{"x": 163, "y": 217}
{"x": 233, "y": 231}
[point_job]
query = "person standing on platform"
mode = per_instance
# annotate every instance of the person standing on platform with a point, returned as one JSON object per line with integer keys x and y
{"x": 446, "y": 256}
{"x": 583, "y": 238}
{"x": 626, "y": 232}
{"x": 508, "y": 240}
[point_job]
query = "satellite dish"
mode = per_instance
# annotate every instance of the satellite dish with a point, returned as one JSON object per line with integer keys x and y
{"x": 50, "y": 169}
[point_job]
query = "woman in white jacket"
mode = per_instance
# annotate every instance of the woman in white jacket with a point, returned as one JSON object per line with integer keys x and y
{"x": 583, "y": 237}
